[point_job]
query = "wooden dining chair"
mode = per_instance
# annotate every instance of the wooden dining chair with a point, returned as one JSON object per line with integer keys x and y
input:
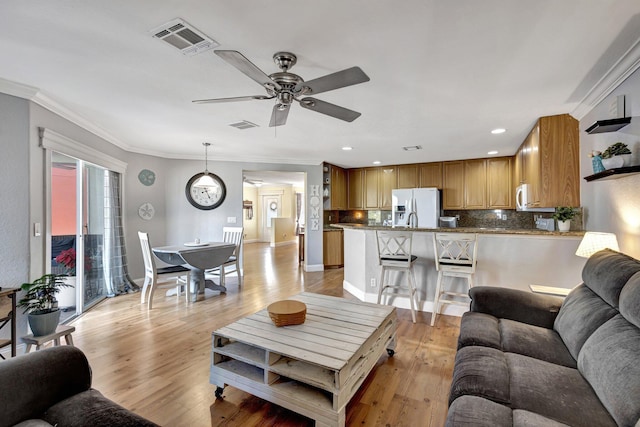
{"x": 151, "y": 280}
{"x": 229, "y": 235}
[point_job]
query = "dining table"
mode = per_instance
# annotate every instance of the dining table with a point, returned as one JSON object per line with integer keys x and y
{"x": 197, "y": 257}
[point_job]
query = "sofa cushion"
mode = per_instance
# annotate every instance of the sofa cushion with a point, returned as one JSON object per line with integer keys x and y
{"x": 482, "y": 329}
{"x": 91, "y": 408}
{"x": 630, "y": 300}
{"x": 534, "y": 341}
{"x": 474, "y": 411}
{"x": 606, "y": 272}
{"x": 480, "y": 371}
{"x": 554, "y": 391}
{"x": 33, "y": 423}
{"x": 581, "y": 314}
{"x": 522, "y": 418}
{"x": 609, "y": 361}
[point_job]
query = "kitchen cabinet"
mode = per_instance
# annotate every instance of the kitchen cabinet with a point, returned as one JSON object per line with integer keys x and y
{"x": 409, "y": 176}
{"x": 378, "y": 183}
{"x": 431, "y": 175}
{"x": 355, "y": 187}
{"x": 550, "y": 162}
{"x": 475, "y": 184}
{"x": 333, "y": 248}
{"x": 500, "y": 190}
{"x": 453, "y": 185}
{"x": 334, "y": 187}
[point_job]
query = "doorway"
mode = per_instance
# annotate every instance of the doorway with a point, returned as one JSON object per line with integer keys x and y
{"x": 271, "y": 208}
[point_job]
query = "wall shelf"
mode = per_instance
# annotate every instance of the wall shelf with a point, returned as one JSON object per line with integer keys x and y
{"x": 613, "y": 173}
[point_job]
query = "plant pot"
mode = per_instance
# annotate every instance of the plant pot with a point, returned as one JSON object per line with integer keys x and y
{"x": 613, "y": 162}
{"x": 44, "y": 324}
{"x": 67, "y": 296}
{"x": 564, "y": 225}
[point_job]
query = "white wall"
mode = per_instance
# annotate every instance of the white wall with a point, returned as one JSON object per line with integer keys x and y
{"x": 613, "y": 205}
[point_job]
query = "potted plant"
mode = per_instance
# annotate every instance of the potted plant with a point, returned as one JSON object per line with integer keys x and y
{"x": 564, "y": 215}
{"x": 41, "y": 304}
{"x": 616, "y": 155}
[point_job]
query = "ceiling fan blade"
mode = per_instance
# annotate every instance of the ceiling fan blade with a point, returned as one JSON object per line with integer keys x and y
{"x": 348, "y": 77}
{"x": 239, "y": 61}
{"x": 278, "y": 116}
{"x": 329, "y": 109}
{"x": 234, "y": 99}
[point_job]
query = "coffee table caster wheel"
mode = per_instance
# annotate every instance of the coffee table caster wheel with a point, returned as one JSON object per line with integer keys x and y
{"x": 390, "y": 352}
{"x": 218, "y": 392}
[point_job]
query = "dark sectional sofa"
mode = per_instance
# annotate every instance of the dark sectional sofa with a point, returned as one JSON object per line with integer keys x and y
{"x": 53, "y": 387}
{"x": 527, "y": 359}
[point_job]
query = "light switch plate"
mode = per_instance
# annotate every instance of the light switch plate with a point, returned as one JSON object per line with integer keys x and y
{"x": 231, "y": 219}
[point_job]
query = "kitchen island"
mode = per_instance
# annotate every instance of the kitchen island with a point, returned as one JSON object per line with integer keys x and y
{"x": 509, "y": 258}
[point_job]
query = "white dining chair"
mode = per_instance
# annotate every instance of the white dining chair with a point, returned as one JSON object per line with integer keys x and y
{"x": 394, "y": 254}
{"x": 233, "y": 235}
{"x": 151, "y": 279}
{"x": 456, "y": 256}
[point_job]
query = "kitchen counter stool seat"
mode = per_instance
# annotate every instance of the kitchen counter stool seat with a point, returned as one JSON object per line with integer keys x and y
{"x": 456, "y": 256}
{"x": 394, "y": 254}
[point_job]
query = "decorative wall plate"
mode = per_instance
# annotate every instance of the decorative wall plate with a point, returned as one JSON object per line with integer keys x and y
{"x": 147, "y": 177}
{"x": 146, "y": 211}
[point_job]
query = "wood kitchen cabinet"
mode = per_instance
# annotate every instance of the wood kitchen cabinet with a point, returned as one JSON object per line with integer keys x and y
{"x": 549, "y": 161}
{"x": 333, "y": 248}
{"x": 378, "y": 183}
{"x": 430, "y": 175}
{"x": 408, "y": 176}
{"x": 334, "y": 188}
{"x": 453, "y": 185}
{"x": 500, "y": 190}
{"x": 475, "y": 184}
{"x": 355, "y": 185}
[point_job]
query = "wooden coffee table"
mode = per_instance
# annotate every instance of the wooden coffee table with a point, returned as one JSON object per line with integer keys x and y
{"x": 314, "y": 368}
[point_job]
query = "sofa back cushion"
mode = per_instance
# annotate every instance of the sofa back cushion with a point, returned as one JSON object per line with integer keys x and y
{"x": 596, "y": 301}
{"x": 31, "y": 383}
{"x": 609, "y": 362}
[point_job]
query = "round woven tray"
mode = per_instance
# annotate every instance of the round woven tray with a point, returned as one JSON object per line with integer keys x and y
{"x": 287, "y": 312}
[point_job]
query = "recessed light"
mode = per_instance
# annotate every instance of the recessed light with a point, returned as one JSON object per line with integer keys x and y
{"x": 347, "y": 148}
{"x": 498, "y": 131}
{"x": 377, "y": 162}
{"x": 491, "y": 153}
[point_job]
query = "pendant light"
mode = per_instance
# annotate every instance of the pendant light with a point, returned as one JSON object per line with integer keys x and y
{"x": 205, "y": 180}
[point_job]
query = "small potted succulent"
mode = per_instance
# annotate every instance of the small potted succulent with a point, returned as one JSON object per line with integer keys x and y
{"x": 41, "y": 303}
{"x": 616, "y": 155}
{"x": 564, "y": 215}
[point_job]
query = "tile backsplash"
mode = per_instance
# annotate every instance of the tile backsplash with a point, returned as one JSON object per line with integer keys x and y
{"x": 488, "y": 218}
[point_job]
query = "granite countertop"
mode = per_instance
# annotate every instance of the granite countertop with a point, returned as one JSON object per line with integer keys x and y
{"x": 332, "y": 228}
{"x": 481, "y": 230}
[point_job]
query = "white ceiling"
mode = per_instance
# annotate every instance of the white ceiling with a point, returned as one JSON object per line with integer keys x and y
{"x": 443, "y": 73}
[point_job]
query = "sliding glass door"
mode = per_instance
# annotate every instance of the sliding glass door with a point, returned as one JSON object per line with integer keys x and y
{"x": 77, "y": 231}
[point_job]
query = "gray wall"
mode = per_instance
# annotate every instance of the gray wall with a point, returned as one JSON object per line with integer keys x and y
{"x": 613, "y": 205}
{"x": 14, "y": 190}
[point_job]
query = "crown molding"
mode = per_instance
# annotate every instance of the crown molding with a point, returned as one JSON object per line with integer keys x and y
{"x": 17, "y": 89}
{"x": 623, "y": 68}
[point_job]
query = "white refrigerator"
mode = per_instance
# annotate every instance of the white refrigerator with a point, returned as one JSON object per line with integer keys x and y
{"x": 415, "y": 207}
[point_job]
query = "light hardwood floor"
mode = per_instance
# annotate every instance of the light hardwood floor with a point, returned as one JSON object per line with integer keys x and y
{"x": 157, "y": 363}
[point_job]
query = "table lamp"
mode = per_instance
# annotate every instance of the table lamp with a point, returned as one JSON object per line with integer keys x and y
{"x": 593, "y": 242}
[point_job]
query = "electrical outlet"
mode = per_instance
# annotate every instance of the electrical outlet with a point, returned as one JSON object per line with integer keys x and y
{"x": 231, "y": 219}
{"x": 373, "y": 283}
{"x": 504, "y": 217}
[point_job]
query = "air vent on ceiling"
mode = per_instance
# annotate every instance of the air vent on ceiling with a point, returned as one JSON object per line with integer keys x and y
{"x": 185, "y": 37}
{"x": 412, "y": 148}
{"x": 244, "y": 124}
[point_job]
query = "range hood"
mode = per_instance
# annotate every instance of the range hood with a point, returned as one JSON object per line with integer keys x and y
{"x": 611, "y": 125}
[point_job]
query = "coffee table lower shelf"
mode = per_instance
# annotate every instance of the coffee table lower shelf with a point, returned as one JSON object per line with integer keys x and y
{"x": 313, "y": 369}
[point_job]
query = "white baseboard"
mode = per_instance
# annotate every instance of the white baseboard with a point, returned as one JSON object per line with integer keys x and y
{"x": 6, "y": 351}
{"x": 251, "y": 241}
{"x": 314, "y": 267}
{"x": 286, "y": 242}
{"x": 403, "y": 302}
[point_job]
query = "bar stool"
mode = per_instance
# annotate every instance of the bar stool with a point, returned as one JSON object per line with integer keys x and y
{"x": 394, "y": 254}
{"x": 456, "y": 256}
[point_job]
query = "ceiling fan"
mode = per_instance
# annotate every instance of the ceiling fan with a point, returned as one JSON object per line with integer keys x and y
{"x": 286, "y": 87}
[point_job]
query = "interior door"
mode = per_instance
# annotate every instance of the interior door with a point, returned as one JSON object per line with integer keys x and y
{"x": 271, "y": 208}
